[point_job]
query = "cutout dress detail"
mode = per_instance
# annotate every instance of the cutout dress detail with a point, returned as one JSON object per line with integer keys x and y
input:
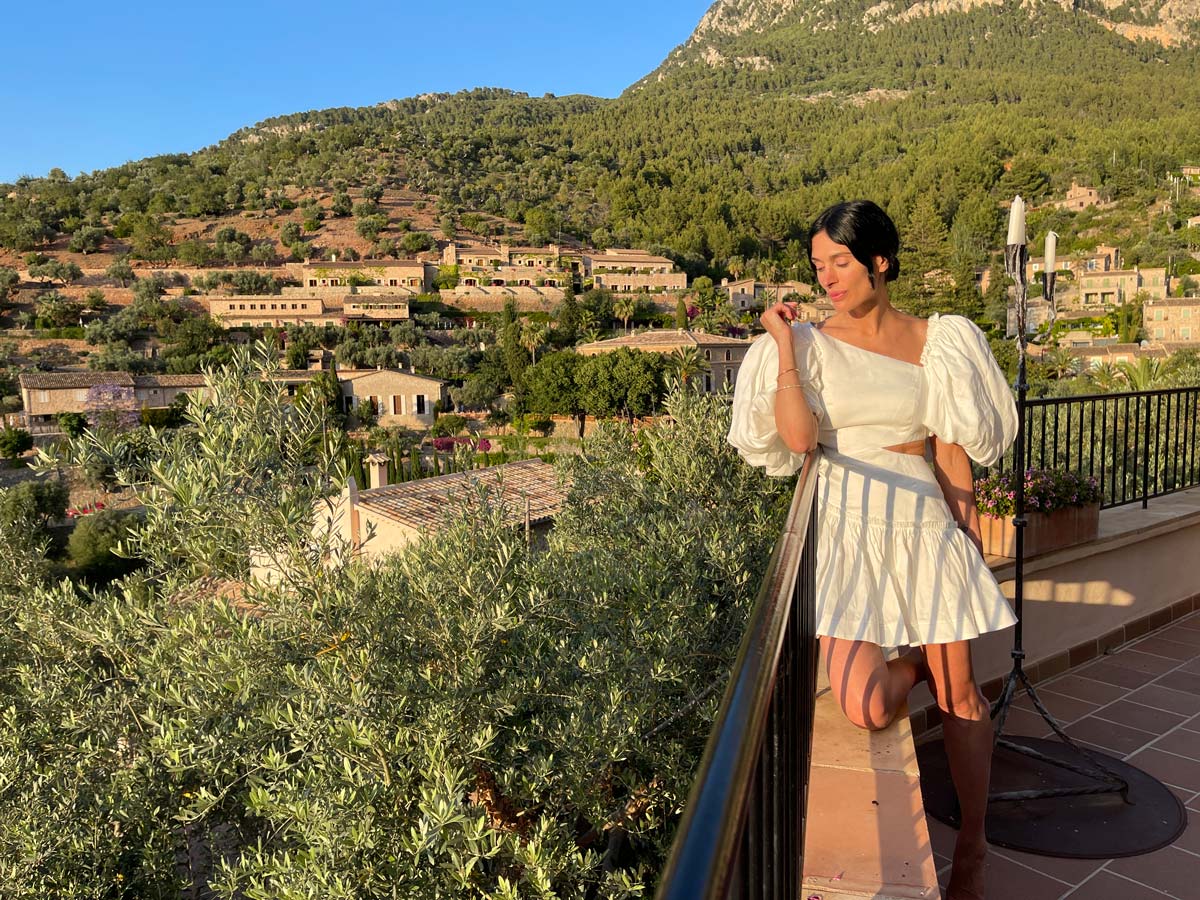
{"x": 893, "y": 568}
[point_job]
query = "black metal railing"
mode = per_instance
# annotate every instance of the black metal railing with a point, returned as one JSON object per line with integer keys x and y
{"x": 1137, "y": 445}
{"x": 742, "y": 832}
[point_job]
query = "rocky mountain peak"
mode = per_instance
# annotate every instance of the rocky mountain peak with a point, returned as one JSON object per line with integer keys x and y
{"x": 1167, "y": 22}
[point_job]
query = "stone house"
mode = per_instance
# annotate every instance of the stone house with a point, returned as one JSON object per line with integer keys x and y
{"x": 632, "y": 270}
{"x": 275, "y": 310}
{"x": 724, "y": 355}
{"x": 1174, "y": 319}
{"x": 397, "y": 397}
{"x": 748, "y": 295}
{"x": 1116, "y": 286}
{"x": 1078, "y": 198}
{"x": 373, "y": 522}
{"x": 487, "y": 265}
{"x": 1118, "y": 353}
{"x": 412, "y": 275}
{"x": 46, "y": 394}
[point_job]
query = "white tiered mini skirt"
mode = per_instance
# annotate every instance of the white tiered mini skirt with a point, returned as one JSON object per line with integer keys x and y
{"x": 893, "y": 568}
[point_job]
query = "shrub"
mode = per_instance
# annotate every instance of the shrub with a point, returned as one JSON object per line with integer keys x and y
{"x": 72, "y": 423}
{"x": 93, "y": 542}
{"x": 14, "y": 442}
{"x": 471, "y": 717}
{"x": 448, "y": 425}
{"x": 543, "y": 425}
{"x": 32, "y": 506}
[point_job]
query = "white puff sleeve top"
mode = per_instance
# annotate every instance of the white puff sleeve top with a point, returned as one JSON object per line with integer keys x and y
{"x": 753, "y": 430}
{"x": 867, "y": 401}
{"x": 967, "y": 401}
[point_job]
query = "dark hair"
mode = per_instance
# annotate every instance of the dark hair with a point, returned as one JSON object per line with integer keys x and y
{"x": 866, "y": 229}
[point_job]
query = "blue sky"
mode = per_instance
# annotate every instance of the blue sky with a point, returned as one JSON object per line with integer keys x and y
{"x": 86, "y": 86}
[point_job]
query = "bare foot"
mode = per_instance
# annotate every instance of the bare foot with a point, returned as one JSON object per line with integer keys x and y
{"x": 967, "y": 877}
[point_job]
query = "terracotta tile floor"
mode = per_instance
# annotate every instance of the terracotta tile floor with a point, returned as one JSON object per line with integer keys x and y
{"x": 1140, "y": 703}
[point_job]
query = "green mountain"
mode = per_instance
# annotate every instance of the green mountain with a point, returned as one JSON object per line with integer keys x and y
{"x": 770, "y": 111}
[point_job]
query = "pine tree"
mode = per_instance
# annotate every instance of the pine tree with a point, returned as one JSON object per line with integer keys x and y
{"x": 516, "y": 357}
{"x": 568, "y": 316}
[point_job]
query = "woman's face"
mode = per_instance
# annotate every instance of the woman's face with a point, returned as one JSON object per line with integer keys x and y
{"x": 845, "y": 280}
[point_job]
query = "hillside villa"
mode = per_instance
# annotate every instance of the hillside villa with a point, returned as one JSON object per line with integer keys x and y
{"x": 749, "y": 295}
{"x": 626, "y": 270}
{"x": 396, "y": 397}
{"x": 1117, "y": 286}
{"x": 1174, "y": 319}
{"x": 1078, "y": 198}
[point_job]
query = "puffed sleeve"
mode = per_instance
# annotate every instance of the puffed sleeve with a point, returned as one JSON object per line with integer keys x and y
{"x": 753, "y": 430}
{"x": 968, "y": 401}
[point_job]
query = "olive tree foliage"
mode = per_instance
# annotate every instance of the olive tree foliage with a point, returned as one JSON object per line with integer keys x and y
{"x": 471, "y": 717}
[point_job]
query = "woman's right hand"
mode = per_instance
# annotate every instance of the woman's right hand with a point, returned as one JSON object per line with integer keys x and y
{"x": 777, "y": 320}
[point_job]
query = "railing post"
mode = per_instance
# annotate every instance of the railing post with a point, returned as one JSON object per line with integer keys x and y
{"x": 1146, "y": 456}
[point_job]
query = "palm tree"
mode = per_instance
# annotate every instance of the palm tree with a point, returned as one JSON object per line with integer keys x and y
{"x": 1105, "y": 377}
{"x": 1146, "y": 374}
{"x": 624, "y": 308}
{"x": 772, "y": 273}
{"x": 736, "y": 266}
{"x": 1062, "y": 363}
{"x": 686, "y": 362}
{"x": 533, "y": 335}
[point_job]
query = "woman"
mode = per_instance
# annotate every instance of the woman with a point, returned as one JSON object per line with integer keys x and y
{"x": 899, "y": 405}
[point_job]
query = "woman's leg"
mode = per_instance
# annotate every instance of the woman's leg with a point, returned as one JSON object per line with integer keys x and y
{"x": 967, "y": 730}
{"x": 869, "y": 689}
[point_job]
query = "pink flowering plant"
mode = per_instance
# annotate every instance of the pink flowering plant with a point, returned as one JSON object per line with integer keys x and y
{"x": 445, "y": 444}
{"x": 1045, "y": 491}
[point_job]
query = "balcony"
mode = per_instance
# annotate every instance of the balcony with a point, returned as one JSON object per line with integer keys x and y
{"x": 1112, "y": 637}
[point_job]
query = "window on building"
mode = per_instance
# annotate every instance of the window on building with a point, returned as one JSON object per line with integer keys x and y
{"x": 707, "y": 382}
{"x": 241, "y": 306}
{"x": 44, "y": 396}
{"x": 1185, "y": 333}
{"x": 728, "y": 355}
{"x": 392, "y": 282}
{"x": 420, "y": 404}
{"x": 1159, "y": 333}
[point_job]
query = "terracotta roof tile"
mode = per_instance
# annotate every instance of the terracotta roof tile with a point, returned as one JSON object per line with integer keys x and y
{"x": 424, "y": 503}
{"x": 169, "y": 380}
{"x": 50, "y": 380}
{"x": 667, "y": 336}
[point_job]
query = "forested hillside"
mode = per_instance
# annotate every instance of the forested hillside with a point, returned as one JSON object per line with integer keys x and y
{"x": 731, "y": 146}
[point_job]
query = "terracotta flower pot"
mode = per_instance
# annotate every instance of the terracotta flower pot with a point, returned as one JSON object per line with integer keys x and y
{"x": 1044, "y": 533}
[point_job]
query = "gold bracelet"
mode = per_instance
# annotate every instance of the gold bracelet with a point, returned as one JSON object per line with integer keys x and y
{"x": 785, "y": 371}
{"x": 784, "y": 387}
